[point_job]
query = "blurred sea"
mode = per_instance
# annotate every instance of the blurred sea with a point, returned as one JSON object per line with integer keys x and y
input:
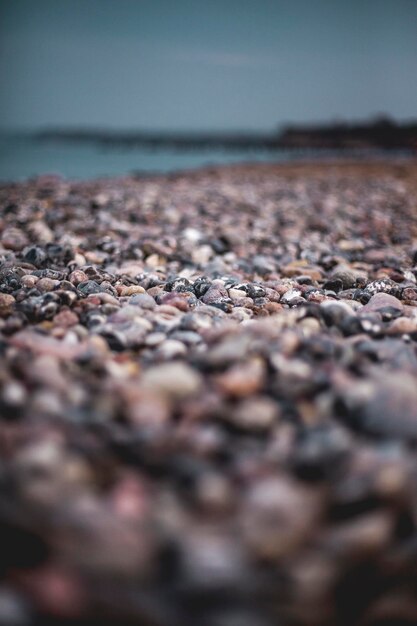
{"x": 23, "y": 157}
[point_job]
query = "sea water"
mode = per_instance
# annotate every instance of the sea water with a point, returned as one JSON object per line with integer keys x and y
{"x": 25, "y": 157}
{"x": 22, "y": 156}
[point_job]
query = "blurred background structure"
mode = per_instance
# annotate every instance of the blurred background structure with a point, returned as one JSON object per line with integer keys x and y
{"x": 239, "y": 65}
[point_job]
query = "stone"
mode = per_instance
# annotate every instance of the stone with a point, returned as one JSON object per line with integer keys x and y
{"x": 346, "y": 277}
{"x": 35, "y": 256}
{"x": 402, "y": 325}
{"x": 384, "y": 285}
{"x": 143, "y": 300}
{"x": 215, "y": 294}
{"x": 78, "y": 276}
{"x": 173, "y": 380}
{"x": 89, "y": 287}
{"x": 257, "y": 413}
{"x": 7, "y": 303}
{"x": 131, "y": 290}
{"x": 47, "y": 284}
{"x": 14, "y": 239}
{"x": 279, "y": 516}
{"x": 384, "y": 407}
{"x": 243, "y": 379}
{"x": 29, "y": 281}
{"x": 292, "y": 297}
{"x": 381, "y": 301}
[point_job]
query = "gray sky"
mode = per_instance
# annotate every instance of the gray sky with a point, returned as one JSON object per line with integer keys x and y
{"x": 205, "y": 64}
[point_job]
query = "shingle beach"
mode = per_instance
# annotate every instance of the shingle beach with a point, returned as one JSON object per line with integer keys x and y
{"x": 208, "y": 398}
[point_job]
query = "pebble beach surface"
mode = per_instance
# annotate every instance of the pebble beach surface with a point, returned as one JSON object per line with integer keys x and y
{"x": 208, "y": 398}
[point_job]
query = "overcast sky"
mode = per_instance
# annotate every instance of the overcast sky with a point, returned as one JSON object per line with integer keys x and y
{"x": 205, "y": 64}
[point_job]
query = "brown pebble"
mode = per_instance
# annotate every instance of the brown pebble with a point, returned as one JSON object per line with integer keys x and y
{"x": 402, "y": 325}
{"x": 78, "y": 276}
{"x": 130, "y": 290}
{"x": 7, "y": 302}
{"x": 174, "y": 380}
{"x": 29, "y": 281}
{"x": 46, "y": 284}
{"x": 14, "y": 239}
{"x": 380, "y": 301}
{"x": 243, "y": 380}
{"x": 256, "y": 413}
{"x": 66, "y": 318}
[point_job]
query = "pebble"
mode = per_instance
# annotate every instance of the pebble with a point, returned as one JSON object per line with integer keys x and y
{"x": 389, "y": 409}
{"x": 29, "y": 281}
{"x": 403, "y": 325}
{"x": 14, "y": 239}
{"x": 78, "y": 276}
{"x": 144, "y": 301}
{"x": 46, "y": 284}
{"x": 131, "y": 290}
{"x": 347, "y": 278}
{"x": 385, "y": 285}
{"x": 243, "y": 379}
{"x": 7, "y": 302}
{"x": 171, "y": 348}
{"x": 175, "y": 380}
{"x": 256, "y": 413}
{"x": 382, "y": 301}
{"x": 292, "y": 297}
{"x": 89, "y": 287}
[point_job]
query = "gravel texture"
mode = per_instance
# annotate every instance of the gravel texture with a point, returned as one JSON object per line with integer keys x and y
{"x": 208, "y": 398}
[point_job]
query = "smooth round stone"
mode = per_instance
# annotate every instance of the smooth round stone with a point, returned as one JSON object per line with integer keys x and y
{"x": 7, "y": 303}
{"x": 176, "y": 380}
{"x": 202, "y": 254}
{"x": 125, "y": 314}
{"x": 14, "y": 239}
{"x": 381, "y": 301}
{"x": 345, "y": 277}
{"x": 66, "y": 318}
{"x": 143, "y": 300}
{"x": 243, "y": 379}
{"x": 46, "y": 284}
{"x": 335, "y": 312}
{"x": 171, "y": 348}
{"x": 258, "y": 413}
{"x": 188, "y": 337}
{"x": 310, "y": 326}
{"x": 235, "y": 294}
{"x": 279, "y": 514}
{"x": 131, "y": 290}
{"x": 77, "y": 276}
{"x": 14, "y": 394}
{"x": 155, "y": 339}
{"x": 242, "y": 314}
{"x": 384, "y": 407}
{"x": 402, "y": 325}
{"x": 29, "y": 281}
